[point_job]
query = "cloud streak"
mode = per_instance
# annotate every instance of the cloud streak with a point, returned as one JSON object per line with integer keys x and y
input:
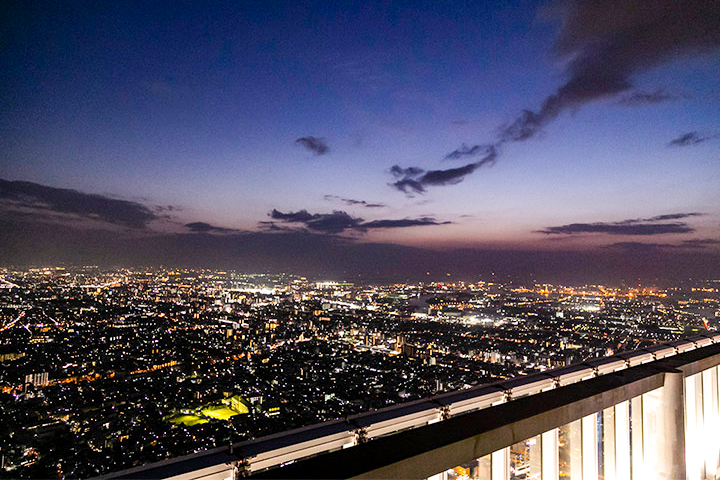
{"x": 619, "y": 228}
{"x": 316, "y": 145}
{"x": 689, "y": 139}
{"x": 339, "y": 221}
{"x": 353, "y": 202}
{"x": 657, "y": 225}
{"x": 202, "y": 227}
{"x": 41, "y": 199}
{"x": 413, "y": 180}
{"x": 693, "y": 244}
{"x": 636, "y": 99}
{"x": 467, "y": 151}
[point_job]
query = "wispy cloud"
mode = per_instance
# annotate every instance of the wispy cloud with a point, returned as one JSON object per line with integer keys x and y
{"x": 604, "y": 45}
{"x": 693, "y": 244}
{"x": 690, "y": 138}
{"x": 202, "y": 227}
{"x": 402, "y": 223}
{"x": 316, "y": 145}
{"x": 413, "y": 180}
{"x": 619, "y": 228}
{"x": 700, "y": 242}
{"x": 607, "y": 43}
{"x": 638, "y": 98}
{"x": 468, "y": 151}
{"x": 353, "y": 202}
{"x": 41, "y": 199}
{"x": 339, "y": 222}
{"x": 658, "y": 225}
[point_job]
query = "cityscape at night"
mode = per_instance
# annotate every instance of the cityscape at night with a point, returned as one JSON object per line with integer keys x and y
{"x": 107, "y": 369}
{"x": 461, "y": 240}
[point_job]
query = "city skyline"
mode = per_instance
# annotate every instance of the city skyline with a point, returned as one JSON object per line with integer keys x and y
{"x": 523, "y": 138}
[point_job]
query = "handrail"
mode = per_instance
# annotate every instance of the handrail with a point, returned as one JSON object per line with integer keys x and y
{"x": 287, "y": 447}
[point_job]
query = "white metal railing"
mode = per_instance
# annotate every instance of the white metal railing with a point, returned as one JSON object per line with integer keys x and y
{"x": 287, "y": 447}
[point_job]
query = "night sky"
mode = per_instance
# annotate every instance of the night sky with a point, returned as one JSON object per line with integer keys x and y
{"x": 375, "y": 138}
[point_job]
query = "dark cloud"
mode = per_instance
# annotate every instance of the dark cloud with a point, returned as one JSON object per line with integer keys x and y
{"x": 635, "y": 99}
{"x": 407, "y": 222}
{"x": 606, "y": 43}
{"x": 332, "y": 223}
{"x": 637, "y": 247}
{"x": 167, "y": 208}
{"x": 409, "y": 186}
{"x": 202, "y": 227}
{"x": 658, "y": 225}
{"x": 43, "y": 199}
{"x": 449, "y": 176}
{"x": 669, "y": 216}
{"x": 353, "y": 202}
{"x": 619, "y": 228}
{"x": 603, "y": 44}
{"x": 690, "y": 138}
{"x": 398, "y": 171}
{"x": 466, "y": 151}
{"x": 339, "y": 222}
{"x": 699, "y": 243}
{"x": 414, "y": 180}
{"x": 316, "y": 145}
{"x": 300, "y": 216}
{"x": 274, "y": 227}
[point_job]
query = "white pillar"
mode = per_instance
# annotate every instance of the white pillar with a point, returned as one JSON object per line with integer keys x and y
{"x": 671, "y": 440}
{"x": 652, "y": 432}
{"x": 501, "y": 464}
{"x": 636, "y": 437}
{"x": 709, "y": 426}
{"x": 574, "y": 440}
{"x": 484, "y": 469}
{"x": 589, "y": 447}
{"x": 716, "y": 423}
{"x": 550, "y": 454}
{"x": 609, "y": 443}
{"x": 693, "y": 428}
{"x": 622, "y": 441}
{"x": 536, "y": 458}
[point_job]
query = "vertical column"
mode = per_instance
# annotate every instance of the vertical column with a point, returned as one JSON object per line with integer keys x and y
{"x": 709, "y": 426}
{"x": 484, "y": 469}
{"x": 636, "y": 437}
{"x": 622, "y": 441}
{"x": 693, "y": 420}
{"x": 716, "y": 420}
{"x": 671, "y": 440}
{"x": 535, "y": 450}
{"x": 550, "y": 454}
{"x": 574, "y": 438}
{"x": 609, "y": 443}
{"x": 589, "y": 447}
{"x": 699, "y": 424}
{"x": 652, "y": 432}
{"x": 501, "y": 464}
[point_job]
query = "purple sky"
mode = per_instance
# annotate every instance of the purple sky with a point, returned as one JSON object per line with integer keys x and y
{"x": 584, "y": 126}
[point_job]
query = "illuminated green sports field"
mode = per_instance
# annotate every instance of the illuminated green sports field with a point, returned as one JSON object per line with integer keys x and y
{"x": 187, "y": 420}
{"x": 219, "y": 412}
